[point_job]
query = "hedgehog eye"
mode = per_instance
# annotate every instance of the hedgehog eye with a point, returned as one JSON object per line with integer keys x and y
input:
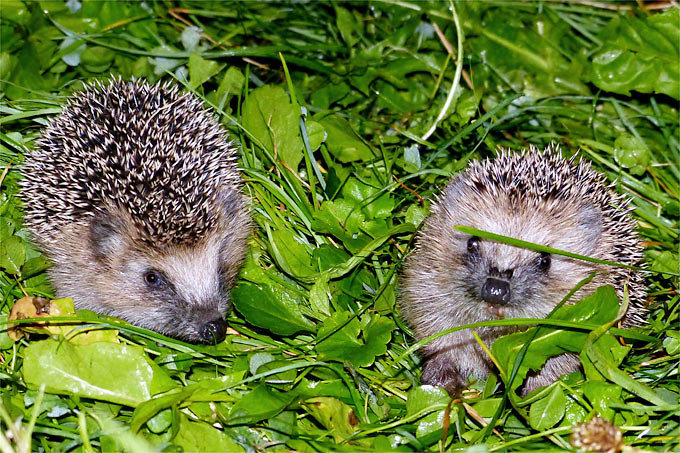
{"x": 544, "y": 261}
{"x": 153, "y": 279}
{"x": 473, "y": 245}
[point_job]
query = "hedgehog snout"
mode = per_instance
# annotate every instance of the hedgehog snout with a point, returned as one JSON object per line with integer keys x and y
{"x": 214, "y": 331}
{"x": 496, "y": 287}
{"x": 496, "y": 291}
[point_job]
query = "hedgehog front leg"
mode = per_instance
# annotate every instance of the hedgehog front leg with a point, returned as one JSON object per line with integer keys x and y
{"x": 440, "y": 371}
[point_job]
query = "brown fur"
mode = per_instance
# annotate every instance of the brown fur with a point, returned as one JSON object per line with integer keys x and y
{"x": 533, "y": 196}
{"x": 131, "y": 179}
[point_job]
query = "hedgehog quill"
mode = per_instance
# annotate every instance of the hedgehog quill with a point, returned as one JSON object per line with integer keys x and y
{"x": 452, "y": 279}
{"x": 133, "y": 193}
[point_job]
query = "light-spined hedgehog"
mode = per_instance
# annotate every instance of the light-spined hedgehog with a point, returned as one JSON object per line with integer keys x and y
{"x": 133, "y": 193}
{"x": 452, "y": 278}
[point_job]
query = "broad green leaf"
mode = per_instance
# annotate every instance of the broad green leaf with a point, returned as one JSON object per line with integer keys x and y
{"x": 639, "y": 53}
{"x": 12, "y": 253}
{"x": 200, "y": 70}
{"x": 337, "y": 417}
{"x": 601, "y": 356}
{"x": 190, "y": 38}
{"x": 231, "y": 84}
{"x": 343, "y": 219}
{"x": 315, "y": 133}
{"x": 292, "y": 254}
{"x": 276, "y": 312}
{"x": 5, "y": 341}
{"x": 342, "y": 141}
{"x": 602, "y": 395}
{"x": 15, "y": 11}
{"x": 608, "y": 348}
{"x": 346, "y": 24}
{"x": 664, "y": 261}
{"x": 329, "y": 93}
{"x": 671, "y": 343}
{"x": 268, "y": 114}
{"x": 549, "y": 410}
{"x": 358, "y": 340}
{"x": 631, "y": 153}
{"x": 365, "y": 196}
{"x": 530, "y": 62}
{"x": 415, "y": 215}
{"x": 259, "y": 404}
{"x": 97, "y": 58}
{"x": 412, "y": 158}
{"x": 429, "y": 400}
{"x": 86, "y": 371}
{"x": 199, "y": 436}
{"x": 203, "y": 390}
{"x": 319, "y": 296}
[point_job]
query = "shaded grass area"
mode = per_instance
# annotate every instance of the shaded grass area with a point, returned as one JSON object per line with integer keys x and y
{"x": 328, "y": 104}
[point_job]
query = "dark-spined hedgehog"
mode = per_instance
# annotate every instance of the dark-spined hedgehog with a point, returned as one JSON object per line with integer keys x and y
{"x": 134, "y": 195}
{"x": 452, "y": 278}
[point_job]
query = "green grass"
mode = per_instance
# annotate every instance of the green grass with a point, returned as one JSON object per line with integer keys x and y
{"x": 317, "y": 358}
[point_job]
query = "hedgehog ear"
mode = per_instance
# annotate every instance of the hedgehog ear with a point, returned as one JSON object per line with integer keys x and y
{"x": 590, "y": 222}
{"x": 105, "y": 235}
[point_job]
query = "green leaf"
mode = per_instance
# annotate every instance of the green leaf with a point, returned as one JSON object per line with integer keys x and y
{"x": 337, "y": 417}
{"x": 549, "y": 410}
{"x": 259, "y": 404}
{"x": 12, "y": 253}
{"x": 15, "y": 11}
{"x": 86, "y": 371}
{"x": 640, "y": 53}
{"x": 530, "y": 61}
{"x": 277, "y": 312}
{"x": 665, "y": 261}
{"x": 291, "y": 253}
{"x": 343, "y": 142}
{"x": 671, "y": 343}
{"x": 598, "y": 308}
{"x": 423, "y": 400}
{"x": 319, "y": 296}
{"x": 415, "y": 215}
{"x": 5, "y": 341}
{"x": 268, "y": 115}
{"x": 198, "y": 436}
{"x": 343, "y": 219}
{"x": 97, "y": 58}
{"x": 201, "y": 70}
{"x": 602, "y": 395}
{"x": 630, "y": 152}
{"x": 315, "y": 133}
{"x": 232, "y": 82}
{"x": 190, "y": 38}
{"x": 359, "y": 341}
{"x": 203, "y": 390}
{"x": 346, "y": 24}
{"x": 364, "y": 195}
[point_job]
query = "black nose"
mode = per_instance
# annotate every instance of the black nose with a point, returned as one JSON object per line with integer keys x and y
{"x": 214, "y": 331}
{"x": 496, "y": 291}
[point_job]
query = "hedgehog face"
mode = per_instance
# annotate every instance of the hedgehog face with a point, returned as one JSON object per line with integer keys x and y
{"x": 497, "y": 280}
{"x": 179, "y": 290}
{"x": 452, "y": 279}
{"x": 134, "y": 194}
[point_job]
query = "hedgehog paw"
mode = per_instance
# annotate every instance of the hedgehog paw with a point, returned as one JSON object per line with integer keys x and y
{"x": 439, "y": 371}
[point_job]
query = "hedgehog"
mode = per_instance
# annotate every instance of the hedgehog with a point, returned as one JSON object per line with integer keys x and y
{"x": 451, "y": 279}
{"x": 134, "y": 195}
